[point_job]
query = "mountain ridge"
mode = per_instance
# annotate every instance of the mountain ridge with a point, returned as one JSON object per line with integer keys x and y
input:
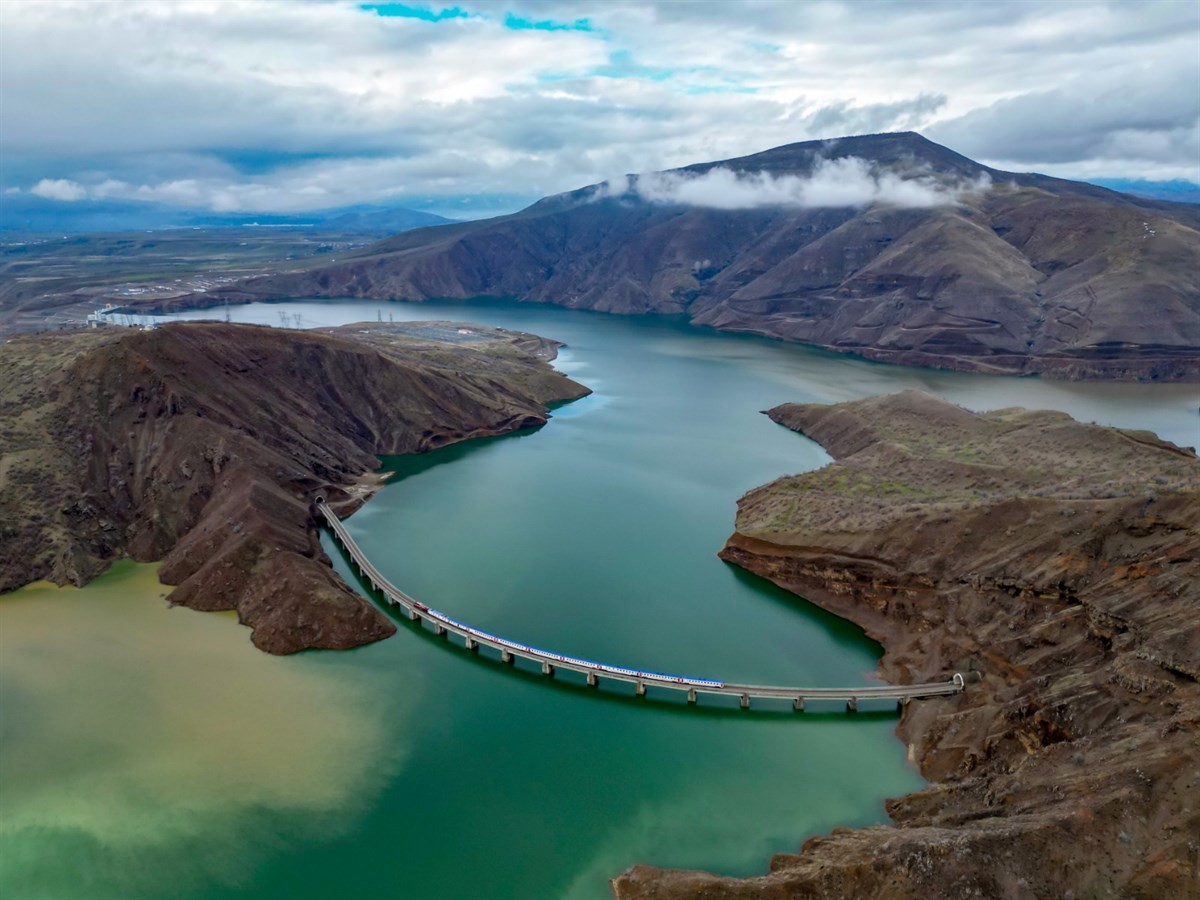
{"x": 28, "y": 214}
{"x": 973, "y": 268}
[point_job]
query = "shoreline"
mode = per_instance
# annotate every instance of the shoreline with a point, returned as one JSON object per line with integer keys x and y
{"x": 1084, "y": 722}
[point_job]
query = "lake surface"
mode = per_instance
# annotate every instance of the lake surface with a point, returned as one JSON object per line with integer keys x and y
{"x": 421, "y": 771}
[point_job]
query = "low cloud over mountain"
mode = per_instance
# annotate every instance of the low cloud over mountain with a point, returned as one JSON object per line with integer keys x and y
{"x": 849, "y": 181}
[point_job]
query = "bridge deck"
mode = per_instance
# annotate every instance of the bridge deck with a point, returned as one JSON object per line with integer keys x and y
{"x": 474, "y": 638}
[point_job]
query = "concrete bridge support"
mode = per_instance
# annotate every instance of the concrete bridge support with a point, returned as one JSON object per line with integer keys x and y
{"x": 439, "y": 629}
{"x": 745, "y": 701}
{"x": 852, "y": 705}
{"x": 592, "y": 680}
{"x": 413, "y": 614}
{"x": 472, "y": 644}
{"x": 547, "y": 669}
{"x": 691, "y": 695}
{"x": 506, "y": 657}
{"x": 798, "y": 704}
{"x": 640, "y": 689}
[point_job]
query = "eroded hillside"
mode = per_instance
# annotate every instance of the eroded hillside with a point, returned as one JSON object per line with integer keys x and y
{"x": 202, "y": 444}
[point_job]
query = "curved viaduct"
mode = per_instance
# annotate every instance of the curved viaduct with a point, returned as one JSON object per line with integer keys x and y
{"x": 474, "y": 638}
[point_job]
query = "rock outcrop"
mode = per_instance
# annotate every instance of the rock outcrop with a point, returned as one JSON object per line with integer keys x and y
{"x": 202, "y": 444}
{"x": 1060, "y": 562}
{"x": 1005, "y": 273}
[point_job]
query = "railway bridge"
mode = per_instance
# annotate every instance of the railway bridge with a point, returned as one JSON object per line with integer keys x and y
{"x": 595, "y": 672}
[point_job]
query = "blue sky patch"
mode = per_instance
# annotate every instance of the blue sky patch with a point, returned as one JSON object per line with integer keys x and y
{"x": 520, "y": 23}
{"x": 719, "y": 89}
{"x": 621, "y": 65}
{"x": 424, "y": 13}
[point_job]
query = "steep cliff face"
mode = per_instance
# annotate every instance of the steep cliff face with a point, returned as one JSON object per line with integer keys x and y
{"x": 1058, "y": 560}
{"x": 1024, "y": 274}
{"x": 201, "y": 445}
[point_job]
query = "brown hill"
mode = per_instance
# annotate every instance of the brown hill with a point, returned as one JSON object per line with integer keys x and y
{"x": 1058, "y": 560}
{"x": 1028, "y": 274}
{"x": 202, "y": 444}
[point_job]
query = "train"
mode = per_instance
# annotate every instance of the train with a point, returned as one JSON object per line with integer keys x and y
{"x": 436, "y": 616}
{"x": 598, "y": 667}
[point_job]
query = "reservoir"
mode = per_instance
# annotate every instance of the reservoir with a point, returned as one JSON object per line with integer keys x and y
{"x": 153, "y": 752}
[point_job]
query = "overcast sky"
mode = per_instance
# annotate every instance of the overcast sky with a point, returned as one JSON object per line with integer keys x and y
{"x": 274, "y": 106}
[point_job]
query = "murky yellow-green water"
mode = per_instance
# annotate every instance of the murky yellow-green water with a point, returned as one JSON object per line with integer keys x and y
{"x": 146, "y": 749}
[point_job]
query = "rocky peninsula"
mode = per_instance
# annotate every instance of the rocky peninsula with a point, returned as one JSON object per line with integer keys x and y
{"x": 1061, "y": 563}
{"x": 201, "y": 445}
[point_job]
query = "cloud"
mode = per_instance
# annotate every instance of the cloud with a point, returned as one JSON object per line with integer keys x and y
{"x": 847, "y": 181}
{"x": 303, "y": 105}
{"x": 1148, "y": 118}
{"x": 846, "y": 118}
{"x": 59, "y": 189}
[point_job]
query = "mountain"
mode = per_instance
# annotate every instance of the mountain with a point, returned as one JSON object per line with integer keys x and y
{"x": 1177, "y": 190}
{"x": 887, "y": 246}
{"x": 29, "y": 214}
{"x": 381, "y": 220}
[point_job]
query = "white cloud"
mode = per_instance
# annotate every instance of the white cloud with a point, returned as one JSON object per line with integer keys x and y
{"x": 847, "y": 181}
{"x": 59, "y": 189}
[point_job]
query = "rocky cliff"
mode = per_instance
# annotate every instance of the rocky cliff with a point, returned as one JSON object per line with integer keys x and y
{"x": 202, "y": 444}
{"x": 1060, "y": 562}
{"x": 886, "y": 246}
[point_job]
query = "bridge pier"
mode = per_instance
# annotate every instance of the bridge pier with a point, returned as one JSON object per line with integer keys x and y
{"x": 901, "y": 695}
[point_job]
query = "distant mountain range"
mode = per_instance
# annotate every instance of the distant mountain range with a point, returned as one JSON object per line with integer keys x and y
{"x": 887, "y": 246}
{"x": 26, "y": 213}
{"x": 1178, "y": 190}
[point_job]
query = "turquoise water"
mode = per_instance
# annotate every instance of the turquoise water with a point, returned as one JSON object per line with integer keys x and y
{"x": 596, "y": 536}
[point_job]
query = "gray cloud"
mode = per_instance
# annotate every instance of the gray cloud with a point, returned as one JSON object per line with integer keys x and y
{"x": 846, "y": 118}
{"x": 1147, "y": 112}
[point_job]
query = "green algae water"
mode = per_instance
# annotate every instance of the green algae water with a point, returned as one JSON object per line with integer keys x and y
{"x": 141, "y": 760}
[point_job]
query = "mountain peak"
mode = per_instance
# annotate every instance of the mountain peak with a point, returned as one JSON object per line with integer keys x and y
{"x": 886, "y": 149}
